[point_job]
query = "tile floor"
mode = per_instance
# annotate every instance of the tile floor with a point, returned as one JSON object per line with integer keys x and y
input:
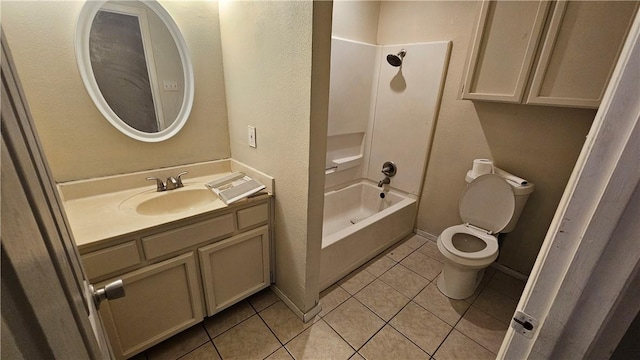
{"x": 390, "y": 308}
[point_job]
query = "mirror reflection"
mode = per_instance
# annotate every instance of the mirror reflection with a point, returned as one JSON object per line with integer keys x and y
{"x": 136, "y": 65}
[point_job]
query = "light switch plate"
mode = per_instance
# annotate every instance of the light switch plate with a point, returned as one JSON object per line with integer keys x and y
{"x": 252, "y": 136}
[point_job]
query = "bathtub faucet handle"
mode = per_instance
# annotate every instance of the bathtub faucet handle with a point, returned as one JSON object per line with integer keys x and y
{"x": 389, "y": 169}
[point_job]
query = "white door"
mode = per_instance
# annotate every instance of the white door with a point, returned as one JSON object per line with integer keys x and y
{"x": 583, "y": 289}
{"x": 45, "y": 294}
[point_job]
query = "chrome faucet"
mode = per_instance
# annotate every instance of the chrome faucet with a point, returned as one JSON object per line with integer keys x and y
{"x": 389, "y": 170}
{"x": 159, "y": 184}
{"x": 172, "y": 182}
{"x": 386, "y": 180}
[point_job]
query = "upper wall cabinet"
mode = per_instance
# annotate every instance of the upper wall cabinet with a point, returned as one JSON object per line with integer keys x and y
{"x": 547, "y": 53}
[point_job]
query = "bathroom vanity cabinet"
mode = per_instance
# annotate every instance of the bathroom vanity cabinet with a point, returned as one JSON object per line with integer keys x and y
{"x": 546, "y": 53}
{"x": 176, "y": 274}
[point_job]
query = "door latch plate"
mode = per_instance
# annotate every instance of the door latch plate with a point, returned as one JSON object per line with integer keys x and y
{"x": 524, "y": 324}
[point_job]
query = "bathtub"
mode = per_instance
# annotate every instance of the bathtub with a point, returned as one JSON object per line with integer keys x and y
{"x": 358, "y": 225}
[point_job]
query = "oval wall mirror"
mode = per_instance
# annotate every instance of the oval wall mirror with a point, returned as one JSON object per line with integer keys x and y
{"x": 135, "y": 65}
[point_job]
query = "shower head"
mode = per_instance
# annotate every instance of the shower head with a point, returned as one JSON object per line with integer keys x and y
{"x": 396, "y": 60}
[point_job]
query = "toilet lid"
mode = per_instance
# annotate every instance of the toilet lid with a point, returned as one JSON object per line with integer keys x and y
{"x": 488, "y": 203}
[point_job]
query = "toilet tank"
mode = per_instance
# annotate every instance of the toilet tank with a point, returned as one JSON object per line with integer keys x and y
{"x": 521, "y": 194}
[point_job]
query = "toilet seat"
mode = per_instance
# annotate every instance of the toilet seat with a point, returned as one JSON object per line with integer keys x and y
{"x": 486, "y": 207}
{"x": 490, "y": 250}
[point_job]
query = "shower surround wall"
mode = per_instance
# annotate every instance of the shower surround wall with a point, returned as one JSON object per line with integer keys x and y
{"x": 381, "y": 112}
{"x": 377, "y": 113}
{"x": 353, "y": 87}
{"x": 405, "y": 114}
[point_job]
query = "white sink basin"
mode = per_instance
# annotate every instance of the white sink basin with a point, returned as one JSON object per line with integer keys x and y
{"x": 169, "y": 202}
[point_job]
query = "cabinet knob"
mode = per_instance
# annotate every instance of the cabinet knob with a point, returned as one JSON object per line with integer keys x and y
{"x": 111, "y": 291}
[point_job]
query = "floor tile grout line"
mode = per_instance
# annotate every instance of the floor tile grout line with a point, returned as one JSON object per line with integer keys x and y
{"x": 388, "y": 323}
{"x": 413, "y": 251}
{"x": 216, "y": 349}
{"x": 276, "y": 350}
{"x": 367, "y": 341}
{"x": 241, "y": 321}
{"x": 406, "y": 337}
{"x": 493, "y": 317}
{"x": 205, "y": 328}
{"x": 268, "y": 306}
{"x": 146, "y": 355}
{"x": 364, "y": 266}
{"x": 373, "y": 311}
{"x": 407, "y": 304}
{"x": 454, "y": 328}
{"x": 356, "y": 299}
{"x": 283, "y": 344}
{"x": 271, "y": 330}
{"x": 343, "y": 339}
{"x": 337, "y": 306}
{"x": 467, "y": 336}
{"x": 473, "y": 303}
{"x": 210, "y": 340}
{"x": 198, "y": 347}
{"x": 429, "y": 281}
{"x": 446, "y": 337}
{"x": 255, "y": 312}
{"x": 412, "y": 300}
{"x": 331, "y": 327}
{"x": 460, "y": 319}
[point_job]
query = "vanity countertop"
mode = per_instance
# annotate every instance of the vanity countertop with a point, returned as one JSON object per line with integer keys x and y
{"x": 95, "y": 216}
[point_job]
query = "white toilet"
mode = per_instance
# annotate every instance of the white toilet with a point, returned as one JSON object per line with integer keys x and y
{"x": 488, "y": 205}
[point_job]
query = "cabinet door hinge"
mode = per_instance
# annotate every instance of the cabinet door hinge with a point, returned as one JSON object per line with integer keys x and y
{"x": 524, "y": 324}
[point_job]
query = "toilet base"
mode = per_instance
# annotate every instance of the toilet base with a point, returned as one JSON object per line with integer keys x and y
{"x": 459, "y": 283}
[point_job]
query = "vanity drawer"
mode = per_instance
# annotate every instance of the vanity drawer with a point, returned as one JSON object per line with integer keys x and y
{"x": 254, "y": 215}
{"x": 187, "y": 236}
{"x": 112, "y": 259}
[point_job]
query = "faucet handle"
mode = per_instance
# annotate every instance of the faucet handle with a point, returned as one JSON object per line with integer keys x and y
{"x": 389, "y": 168}
{"x": 179, "y": 178}
{"x": 159, "y": 184}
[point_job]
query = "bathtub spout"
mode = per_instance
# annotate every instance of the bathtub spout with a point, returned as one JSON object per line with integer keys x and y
{"x": 386, "y": 180}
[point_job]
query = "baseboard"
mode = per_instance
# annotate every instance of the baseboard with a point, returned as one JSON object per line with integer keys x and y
{"x": 425, "y": 234}
{"x": 509, "y": 271}
{"x": 305, "y": 317}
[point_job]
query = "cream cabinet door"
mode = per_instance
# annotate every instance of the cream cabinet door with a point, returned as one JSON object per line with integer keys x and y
{"x": 580, "y": 52}
{"x": 235, "y": 268}
{"x": 502, "y": 50}
{"x": 161, "y": 300}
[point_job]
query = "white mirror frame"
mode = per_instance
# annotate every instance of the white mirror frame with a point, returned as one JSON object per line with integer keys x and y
{"x": 83, "y": 27}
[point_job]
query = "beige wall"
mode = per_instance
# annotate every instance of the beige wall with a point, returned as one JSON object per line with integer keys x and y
{"x": 356, "y": 20}
{"x": 534, "y": 142}
{"x": 78, "y": 142}
{"x": 269, "y": 51}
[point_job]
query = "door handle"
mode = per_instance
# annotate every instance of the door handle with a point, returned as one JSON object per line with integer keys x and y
{"x": 113, "y": 290}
